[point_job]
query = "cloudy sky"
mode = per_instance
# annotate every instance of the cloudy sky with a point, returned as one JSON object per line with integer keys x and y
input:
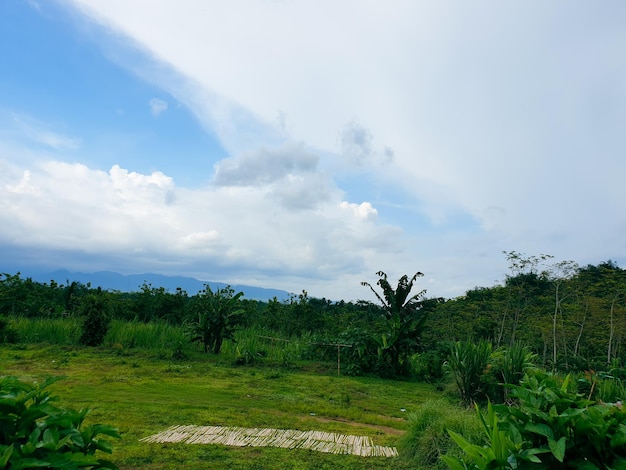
{"x": 306, "y": 145}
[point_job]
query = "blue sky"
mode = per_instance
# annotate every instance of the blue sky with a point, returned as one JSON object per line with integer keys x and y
{"x": 307, "y": 145}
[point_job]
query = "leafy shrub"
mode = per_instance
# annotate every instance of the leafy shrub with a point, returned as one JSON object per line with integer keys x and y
{"x": 552, "y": 426}
{"x": 427, "y": 440}
{"x": 96, "y": 321}
{"x": 361, "y": 357}
{"x": 7, "y": 334}
{"x": 428, "y": 366}
{"x": 35, "y": 433}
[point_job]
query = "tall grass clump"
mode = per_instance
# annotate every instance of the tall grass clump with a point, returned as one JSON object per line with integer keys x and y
{"x": 509, "y": 364}
{"x": 515, "y": 360}
{"x": 152, "y": 335}
{"x": 427, "y": 438}
{"x": 247, "y": 347}
{"x": 54, "y": 331}
{"x": 602, "y": 386}
{"x": 467, "y": 364}
{"x": 611, "y": 390}
{"x": 254, "y": 345}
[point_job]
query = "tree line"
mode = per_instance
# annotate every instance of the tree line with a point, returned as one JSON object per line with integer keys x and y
{"x": 572, "y": 317}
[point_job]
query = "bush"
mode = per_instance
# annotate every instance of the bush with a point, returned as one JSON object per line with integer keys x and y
{"x": 427, "y": 439}
{"x": 35, "y": 433}
{"x": 7, "y": 334}
{"x": 96, "y": 321}
{"x": 428, "y": 366}
{"x": 552, "y": 426}
{"x": 361, "y": 357}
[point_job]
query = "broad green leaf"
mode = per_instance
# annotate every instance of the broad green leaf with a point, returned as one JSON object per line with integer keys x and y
{"x": 50, "y": 439}
{"x": 557, "y": 448}
{"x": 541, "y": 429}
{"x": 104, "y": 446}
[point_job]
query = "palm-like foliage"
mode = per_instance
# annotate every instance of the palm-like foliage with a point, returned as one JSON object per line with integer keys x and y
{"x": 217, "y": 313}
{"x": 405, "y": 317}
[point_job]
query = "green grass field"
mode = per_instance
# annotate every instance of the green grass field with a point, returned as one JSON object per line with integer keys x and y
{"x": 142, "y": 393}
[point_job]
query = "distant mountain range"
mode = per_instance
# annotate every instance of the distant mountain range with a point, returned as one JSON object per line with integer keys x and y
{"x": 132, "y": 283}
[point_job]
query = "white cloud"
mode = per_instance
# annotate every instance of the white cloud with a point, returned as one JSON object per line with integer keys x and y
{"x": 363, "y": 211}
{"x": 157, "y": 106}
{"x": 200, "y": 240}
{"x": 229, "y": 231}
{"x": 265, "y": 166}
{"x": 23, "y": 186}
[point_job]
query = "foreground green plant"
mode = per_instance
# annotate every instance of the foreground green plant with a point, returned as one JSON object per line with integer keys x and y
{"x": 552, "y": 426}
{"x": 36, "y": 434}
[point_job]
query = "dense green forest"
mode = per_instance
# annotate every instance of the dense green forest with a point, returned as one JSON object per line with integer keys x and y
{"x": 571, "y": 317}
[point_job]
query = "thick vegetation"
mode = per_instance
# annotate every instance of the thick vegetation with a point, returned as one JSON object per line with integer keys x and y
{"x": 572, "y": 318}
{"x": 548, "y": 425}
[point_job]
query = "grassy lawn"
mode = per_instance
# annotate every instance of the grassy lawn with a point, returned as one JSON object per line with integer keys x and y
{"x": 142, "y": 394}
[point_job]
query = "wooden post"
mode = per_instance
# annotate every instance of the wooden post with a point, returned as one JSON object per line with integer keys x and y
{"x": 338, "y": 360}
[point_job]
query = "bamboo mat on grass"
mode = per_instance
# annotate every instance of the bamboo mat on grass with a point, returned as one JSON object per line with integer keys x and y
{"x": 320, "y": 441}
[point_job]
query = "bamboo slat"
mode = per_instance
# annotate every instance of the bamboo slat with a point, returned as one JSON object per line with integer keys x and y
{"x": 319, "y": 441}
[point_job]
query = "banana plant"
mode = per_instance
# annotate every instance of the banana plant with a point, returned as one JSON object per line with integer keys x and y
{"x": 405, "y": 316}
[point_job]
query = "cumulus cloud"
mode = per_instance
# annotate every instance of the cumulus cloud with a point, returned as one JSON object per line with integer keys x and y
{"x": 157, "y": 106}
{"x": 265, "y": 166}
{"x": 242, "y": 232}
{"x": 288, "y": 175}
{"x": 299, "y": 192}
